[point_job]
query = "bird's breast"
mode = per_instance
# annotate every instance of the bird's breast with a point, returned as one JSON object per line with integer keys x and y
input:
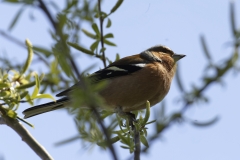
{"x": 131, "y": 92}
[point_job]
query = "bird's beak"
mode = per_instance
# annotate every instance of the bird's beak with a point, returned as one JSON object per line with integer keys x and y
{"x": 177, "y": 57}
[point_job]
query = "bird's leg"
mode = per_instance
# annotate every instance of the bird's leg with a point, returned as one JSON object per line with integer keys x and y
{"x": 130, "y": 117}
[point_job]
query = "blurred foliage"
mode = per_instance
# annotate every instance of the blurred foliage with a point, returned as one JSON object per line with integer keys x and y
{"x": 14, "y": 85}
{"x": 63, "y": 71}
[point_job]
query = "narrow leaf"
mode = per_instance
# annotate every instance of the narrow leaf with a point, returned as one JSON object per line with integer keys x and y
{"x": 24, "y": 94}
{"x": 95, "y": 28}
{"x": 147, "y": 114}
{"x": 49, "y": 96}
{"x": 205, "y": 49}
{"x": 45, "y": 51}
{"x": 25, "y": 86}
{"x": 89, "y": 34}
{"x": 117, "y": 57}
{"x": 232, "y": 18}
{"x": 179, "y": 81}
{"x": 29, "y": 58}
{"x": 109, "y": 43}
{"x": 76, "y": 46}
{"x": 37, "y": 86}
{"x": 119, "y": 2}
{"x": 144, "y": 140}
{"x": 109, "y": 23}
{"x": 68, "y": 140}
{"x": 16, "y": 18}
{"x": 204, "y": 124}
{"x": 20, "y": 119}
{"x": 3, "y": 85}
{"x": 11, "y": 1}
{"x": 109, "y": 35}
{"x": 94, "y": 45}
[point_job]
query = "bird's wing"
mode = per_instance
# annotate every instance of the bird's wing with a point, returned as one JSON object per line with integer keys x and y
{"x": 122, "y": 67}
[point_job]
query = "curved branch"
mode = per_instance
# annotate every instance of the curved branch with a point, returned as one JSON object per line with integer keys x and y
{"x": 25, "y": 135}
{"x": 46, "y": 11}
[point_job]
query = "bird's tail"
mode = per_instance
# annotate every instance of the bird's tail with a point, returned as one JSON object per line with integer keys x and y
{"x": 47, "y": 107}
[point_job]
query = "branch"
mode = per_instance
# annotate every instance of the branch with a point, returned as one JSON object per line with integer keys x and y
{"x": 2, "y": 121}
{"x": 75, "y": 69}
{"x": 137, "y": 143}
{"x": 101, "y": 19}
{"x": 105, "y": 131}
{"x": 25, "y": 135}
{"x": 46, "y": 11}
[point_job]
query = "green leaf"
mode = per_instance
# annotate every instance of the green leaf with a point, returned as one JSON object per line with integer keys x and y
{"x": 5, "y": 94}
{"x": 12, "y": 114}
{"x": 76, "y": 46}
{"x": 144, "y": 140}
{"x": 24, "y": 94}
{"x": 125, "y": 147}
{"x": 11, "y": 1}
{"x": 204, "y": 124}
{"x": 42, "y": 50}
{"x": 29, "y": 1}
{"x": 117, "y": 57}
{"x": 114, "y": 139}
{"x": 94, "y": 45}
{"x": 37, "y": 86}
{"x": 68, "y": 140}
{"x": 4, "y": 85}
{"x": 30, "y": 56}
{"x": 20, "y": 119}
{"x": 147, "y": 114}
{"x": 16, "y": 18}
{"x": 205, "y": 49}
{"x": 109, "y": 23}
{"x": 70, "y": 4}
{"x": 109, "y": 43}
{"x": 96, "y": 30}
{"x": 179, "y": 82}
{"x": 49, "y": 96}
{"x": 150, "y": 122}
{"x": 119, "y": 2}
{"x": 232, "y": 18}
{"x": 102, "y": 50}
{"x": 25, "y": 86}
{"x": 123, "y": 139}
{"x": 89, "y": 34}
{"x": 109, "y": 35}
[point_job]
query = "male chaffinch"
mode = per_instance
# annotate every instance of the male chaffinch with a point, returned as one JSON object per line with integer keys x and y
{"x": 132, "y": 81}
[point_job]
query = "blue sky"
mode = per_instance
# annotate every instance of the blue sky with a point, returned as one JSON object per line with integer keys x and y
{"x": 138, "y": 25}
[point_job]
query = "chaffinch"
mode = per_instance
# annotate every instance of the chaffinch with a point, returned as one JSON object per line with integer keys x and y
{"x": 132, "y": 81}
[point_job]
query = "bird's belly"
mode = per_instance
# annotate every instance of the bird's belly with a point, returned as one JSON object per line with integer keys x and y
{"x": 135, "y": 93}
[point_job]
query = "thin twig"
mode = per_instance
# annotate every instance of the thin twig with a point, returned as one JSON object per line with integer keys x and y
{"x": 105, "y": 131}
{"x": 2, "y": 121}
{"x": 137, "y": 143}
{"x": 75, "y": 69}
{"x": 46, "y": 11}
{"x": 101, "y": 32}
{"x": 25, "y": 135}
